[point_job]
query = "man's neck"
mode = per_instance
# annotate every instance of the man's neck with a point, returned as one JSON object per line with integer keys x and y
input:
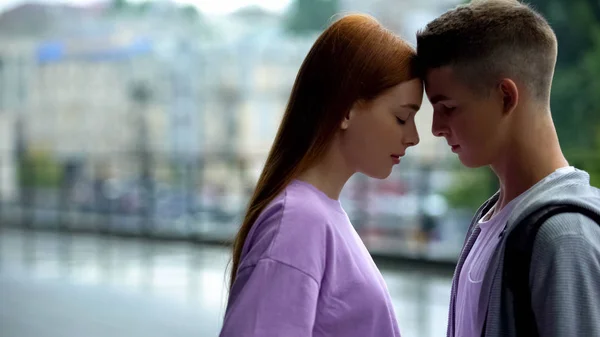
{"x": 527, "y": 160}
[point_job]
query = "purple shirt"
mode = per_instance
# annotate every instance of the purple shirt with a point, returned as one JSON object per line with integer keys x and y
{"x": 471, "y": 304}
{"x": 305, "y": 272}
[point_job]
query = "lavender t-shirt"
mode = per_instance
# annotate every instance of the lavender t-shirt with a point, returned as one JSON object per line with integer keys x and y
{"x": 305, "y": 272}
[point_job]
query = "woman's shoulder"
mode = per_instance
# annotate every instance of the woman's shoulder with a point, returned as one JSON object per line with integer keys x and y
{"x": 297, "y": 213}
{"x": 301, "y": 205}
{"x": 295, "y": 229}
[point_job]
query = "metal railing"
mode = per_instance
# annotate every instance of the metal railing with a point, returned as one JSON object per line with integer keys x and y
{"x": 410, "y": 214}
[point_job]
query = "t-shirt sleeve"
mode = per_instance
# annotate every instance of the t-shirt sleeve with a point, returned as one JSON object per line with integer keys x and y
{"x": 271, "y": 299}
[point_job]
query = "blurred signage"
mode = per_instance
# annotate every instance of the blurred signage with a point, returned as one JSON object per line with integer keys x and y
{"x": 93, "y": 49}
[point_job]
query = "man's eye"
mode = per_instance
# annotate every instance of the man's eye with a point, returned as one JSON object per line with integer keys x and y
{"x": 443, "y": 108}
{"x": 448, "y": 108}
{"x": 400, "y": 121}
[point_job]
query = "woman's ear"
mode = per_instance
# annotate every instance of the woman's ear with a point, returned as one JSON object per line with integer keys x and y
{"x": 346, "y": 121}
{"x": 351, "y": 114}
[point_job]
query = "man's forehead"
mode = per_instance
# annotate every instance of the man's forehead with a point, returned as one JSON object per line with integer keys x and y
{"x": 439, "y": 84}
{"x": 437, "y": 76}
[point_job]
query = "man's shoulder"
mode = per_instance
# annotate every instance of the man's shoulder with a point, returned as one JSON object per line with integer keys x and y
{"x": 569, "y": 228}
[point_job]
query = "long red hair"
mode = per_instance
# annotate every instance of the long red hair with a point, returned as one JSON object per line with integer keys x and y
{"x": 354, "y": 59}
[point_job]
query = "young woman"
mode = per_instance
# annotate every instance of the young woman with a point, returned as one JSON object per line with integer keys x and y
{"x": 299, "y": 268}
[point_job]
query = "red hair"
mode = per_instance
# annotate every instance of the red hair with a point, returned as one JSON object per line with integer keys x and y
{"x": 354, "y": 59}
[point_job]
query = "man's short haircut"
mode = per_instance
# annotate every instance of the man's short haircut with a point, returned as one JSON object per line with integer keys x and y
{"x": 487, "y": 40}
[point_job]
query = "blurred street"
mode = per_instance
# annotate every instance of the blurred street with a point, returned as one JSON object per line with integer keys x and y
{"x": 64, "y": 285}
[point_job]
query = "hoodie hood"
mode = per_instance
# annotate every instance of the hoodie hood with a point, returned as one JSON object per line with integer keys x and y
{"x": 568, "y": 188}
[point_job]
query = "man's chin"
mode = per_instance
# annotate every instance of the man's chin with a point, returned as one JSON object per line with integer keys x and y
{"x": 379, "y": 174}
{"x": 471, "y": 162}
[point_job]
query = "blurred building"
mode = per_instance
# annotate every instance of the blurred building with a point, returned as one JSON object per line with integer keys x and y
{"x": 8, "y": 165}
{"x": 15, "y": 69}
{"x": 103, "y": 90}
{"x": 251, "y": 66}
{"x": 403, "y": 17}
{"x": 163, "y": 93}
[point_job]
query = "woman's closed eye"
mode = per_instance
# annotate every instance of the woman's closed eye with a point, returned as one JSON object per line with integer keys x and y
{"x": 400, "y": 121}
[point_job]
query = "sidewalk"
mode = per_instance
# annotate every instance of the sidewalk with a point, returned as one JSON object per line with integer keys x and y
{"x": 61, "y": 285}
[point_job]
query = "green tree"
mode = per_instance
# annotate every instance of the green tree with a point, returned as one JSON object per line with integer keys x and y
{"x": 310, "y": 16}
{"x": 119, "y": 5}
{"x": 39, "y": 169}
{"x": 574, "y": 101}
{"x": 572, "y": 22}
{"x": 471, "y": 187}
{"x": 190, "y": 12}
{"x": 593, "y": 165}
{"x": 576, "y": 110}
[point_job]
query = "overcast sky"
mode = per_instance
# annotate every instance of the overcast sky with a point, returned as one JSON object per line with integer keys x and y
{"x": 205, "y": 6}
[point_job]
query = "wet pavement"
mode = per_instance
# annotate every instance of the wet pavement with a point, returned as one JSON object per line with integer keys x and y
{"x": 61, "y": 285}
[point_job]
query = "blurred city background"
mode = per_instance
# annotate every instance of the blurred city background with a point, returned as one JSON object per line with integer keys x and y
{"x": 132, "y": 132}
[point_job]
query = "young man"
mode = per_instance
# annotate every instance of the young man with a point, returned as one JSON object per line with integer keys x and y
{"x": 488, "y": 69}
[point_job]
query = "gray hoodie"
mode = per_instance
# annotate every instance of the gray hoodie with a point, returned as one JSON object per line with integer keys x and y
{"x": 565, "y": 266}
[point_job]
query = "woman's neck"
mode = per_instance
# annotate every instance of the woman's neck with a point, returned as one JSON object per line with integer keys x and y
{"x": 329, "y": 174}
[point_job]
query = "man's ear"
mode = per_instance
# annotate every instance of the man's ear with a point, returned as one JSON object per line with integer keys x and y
{"x": 510, "y": 95}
